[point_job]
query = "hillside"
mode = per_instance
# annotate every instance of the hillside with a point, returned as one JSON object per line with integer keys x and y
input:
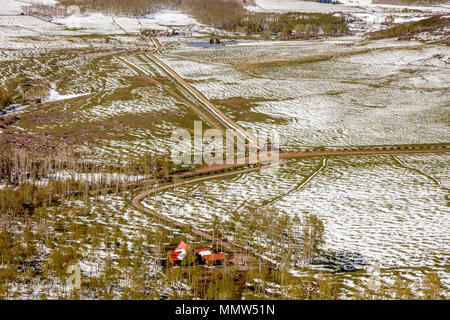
{"x": 434, "y": 28}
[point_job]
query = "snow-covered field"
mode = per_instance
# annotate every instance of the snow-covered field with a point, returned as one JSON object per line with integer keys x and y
{"x": 363, "y": 16}
{"x": 334, "y": 92}
{"x": 14, "y": 7}
{"x": 370, "y": 205}
{"x": 298, "y": 5}
{"x": 13, "y": 27}
{"x": 99, "y": 23}
{"x": 344, "y": 6}
{"x": 387, "y": 215}
{"x": 10, "y": 7}
{"x": 346, "y": 93}
{"x": 111, "y": 214}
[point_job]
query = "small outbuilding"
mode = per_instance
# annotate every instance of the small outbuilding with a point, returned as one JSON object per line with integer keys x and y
{"x": 206, "y": 257}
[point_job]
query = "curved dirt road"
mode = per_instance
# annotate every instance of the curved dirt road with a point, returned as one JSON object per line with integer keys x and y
{"x": 137, "y": 203}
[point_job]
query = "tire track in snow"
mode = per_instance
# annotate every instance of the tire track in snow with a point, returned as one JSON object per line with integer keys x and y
{"x": 119, "y": 26}
{"x": 126, "y": 66}
{"x": 299, "y": 187}
{"x": 429, "y": 176}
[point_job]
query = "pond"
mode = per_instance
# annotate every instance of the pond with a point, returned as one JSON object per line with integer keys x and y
{"x": 10, "y": 109}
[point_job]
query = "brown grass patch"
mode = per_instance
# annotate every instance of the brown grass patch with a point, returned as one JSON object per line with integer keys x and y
{"x": 58, "y": 116}
{"x": 256, "y": 67}
{"x": 193, "y": 81}
{"x": 240, "y": 107}
{"x": 146, "y": 119}
{"x": 42, "y": 143}
{"x": 8, "y": 121}
{"x": 142, "y": 81}
{"x": 239, "y": 102}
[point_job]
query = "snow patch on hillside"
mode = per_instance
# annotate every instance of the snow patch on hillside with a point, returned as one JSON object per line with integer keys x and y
{"x": 14, "y": 7}
{"x": 171, "y": 18}
{"x": 99, "y": 23}
{"x": 10, "y": 7}
{"x": 46, "y": 2}
{"x": 56, "y": 96}
{"x": 356, "y": 2}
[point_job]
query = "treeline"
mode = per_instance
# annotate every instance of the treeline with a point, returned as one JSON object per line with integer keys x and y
{"x": 133, "y": 8}
{"x": 20, "y": 166}
{"x": 28, "y": 183}
{"x": 225, "y": 14}
{"x": 46, "y": 228}
{"x": 216, "y": 13}
{"x": 291, "y": 25}
{"x": 45, "y": 10}
{"x": 288, "y": 241}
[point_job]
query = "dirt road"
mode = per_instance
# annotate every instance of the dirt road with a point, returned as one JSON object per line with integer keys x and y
{"x": 406, "y": 150}
{"x": 240, "y": 132}
{"x": 137, "y": 203}
{"x": 244, "y": 134}
{"x": 285, "y": 156}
